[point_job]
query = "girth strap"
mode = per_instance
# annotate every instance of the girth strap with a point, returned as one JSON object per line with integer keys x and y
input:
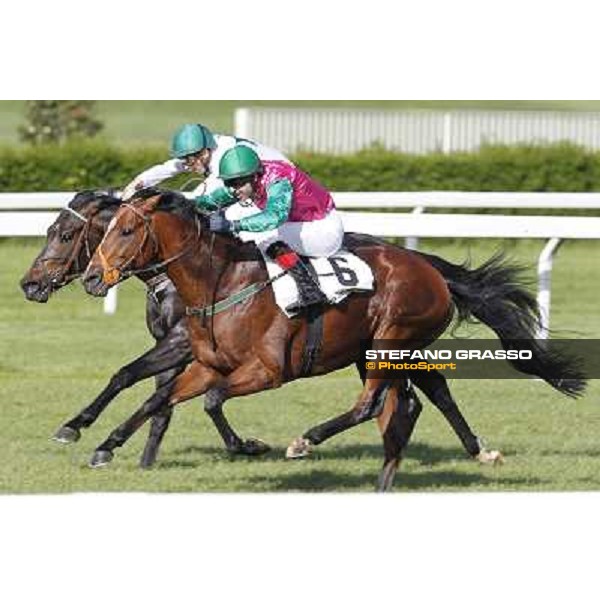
{"x": 314, "y": 339}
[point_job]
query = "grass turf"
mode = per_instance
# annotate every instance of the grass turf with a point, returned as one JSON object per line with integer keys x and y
{"x": 55, "y": 358}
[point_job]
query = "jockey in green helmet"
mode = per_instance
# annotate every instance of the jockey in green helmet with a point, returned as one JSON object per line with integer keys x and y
{"x": 191, "y": 139}
{"x": 297, "y": 215}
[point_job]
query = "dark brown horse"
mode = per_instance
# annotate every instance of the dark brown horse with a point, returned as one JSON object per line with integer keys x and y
{"x": 70, "y": 242}
{"x": 252, "y": 346}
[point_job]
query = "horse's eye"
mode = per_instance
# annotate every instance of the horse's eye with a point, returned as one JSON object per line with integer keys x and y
{"x": 65, "y": 237}
{"x": 126, "y": 231}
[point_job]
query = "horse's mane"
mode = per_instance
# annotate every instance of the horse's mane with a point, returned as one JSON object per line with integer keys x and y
{"x": 170, "y": 201}
{"x": 105, "y": 198}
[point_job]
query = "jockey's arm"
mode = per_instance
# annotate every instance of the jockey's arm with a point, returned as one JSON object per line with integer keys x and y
{"x": 276, "y": 211}
{"x": 217, "y": 199}
{"x": 153, "y": 176}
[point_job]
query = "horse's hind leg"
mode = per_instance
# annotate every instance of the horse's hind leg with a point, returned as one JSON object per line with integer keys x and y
{"x": 370, "y": 405}
{"x": 435, "y": 387}
{"x": 396, "y": 423}
{"x": 170, "y": 352}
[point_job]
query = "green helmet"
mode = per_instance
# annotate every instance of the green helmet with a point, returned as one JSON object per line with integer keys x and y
{"x": 190, "y": 139}
{"x": 239, "y": 161}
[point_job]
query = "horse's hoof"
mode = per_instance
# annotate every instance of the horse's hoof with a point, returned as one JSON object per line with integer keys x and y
{"x": 147, "y": 463}
{"x": 101, "y": 458}
{"x": 255, "y": 447}
{"x": 67, "y": 435}
{"x": 490, "y": 457}
{"x": 299, "y": 448}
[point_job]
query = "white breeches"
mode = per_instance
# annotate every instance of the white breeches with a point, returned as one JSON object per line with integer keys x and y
{"x": 312, "y": 238}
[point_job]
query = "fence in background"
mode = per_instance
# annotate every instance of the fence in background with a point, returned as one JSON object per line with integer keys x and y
{"x": 31, "y": 214}
{"x": 342, "y": 131}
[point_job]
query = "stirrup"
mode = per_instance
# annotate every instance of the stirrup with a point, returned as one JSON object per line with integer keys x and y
{"x": 309, "y": 290}
{"x": 309, "y": 295}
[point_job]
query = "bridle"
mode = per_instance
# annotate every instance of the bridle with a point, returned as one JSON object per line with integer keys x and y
{"x": 114, "y": 274}
{"x": 62, "y": 277}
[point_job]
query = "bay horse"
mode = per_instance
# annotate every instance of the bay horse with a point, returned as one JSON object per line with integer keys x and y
{"x": 256, "y": 347}
{"x": 70, "y": 243}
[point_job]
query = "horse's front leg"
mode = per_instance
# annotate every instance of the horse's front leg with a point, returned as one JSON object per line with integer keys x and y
{"x": 248, "y": 379}
{"x": 172, "y": 351}
{"x": 194, "y": 381}
{"x": 161, "y": 420}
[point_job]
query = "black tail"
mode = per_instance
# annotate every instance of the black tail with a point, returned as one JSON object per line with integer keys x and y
{"x": 494, "y": 294}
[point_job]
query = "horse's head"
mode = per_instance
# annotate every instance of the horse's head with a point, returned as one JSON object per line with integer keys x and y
{"x": 70, "y": 242}
{"x": 131, "y": 243}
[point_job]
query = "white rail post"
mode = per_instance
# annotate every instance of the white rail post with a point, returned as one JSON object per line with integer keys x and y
{"x": 110, "y": 301}
{"x": 447, "y": 139}
{"x": 411, "y": 243}
{"x": 242, "y": 122}
{"x": 544, "y": 284}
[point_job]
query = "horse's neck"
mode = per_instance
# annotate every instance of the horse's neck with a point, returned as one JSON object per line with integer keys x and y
{"x": 212, "y": 268}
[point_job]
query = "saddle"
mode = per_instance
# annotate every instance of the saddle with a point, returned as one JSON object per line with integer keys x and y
{"x": 338, "y": 276}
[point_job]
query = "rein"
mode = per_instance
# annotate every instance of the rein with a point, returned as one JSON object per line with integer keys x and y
{"x": 76, "y": 214}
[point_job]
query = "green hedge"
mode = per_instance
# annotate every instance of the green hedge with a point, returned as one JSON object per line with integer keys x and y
{"x": 74, "y": 166}
{"x": 558, "y": 168}
{"x": 561, "y": 167}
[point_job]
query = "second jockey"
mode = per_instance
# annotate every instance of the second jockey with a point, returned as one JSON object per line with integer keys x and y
{"x": 195, "y": 149}
{"x": 297, "y": 215}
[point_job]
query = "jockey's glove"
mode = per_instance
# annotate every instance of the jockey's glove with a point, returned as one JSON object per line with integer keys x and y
{"x": 219, "y": 224}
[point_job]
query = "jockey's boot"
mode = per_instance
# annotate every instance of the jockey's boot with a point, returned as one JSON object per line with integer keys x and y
{"x": 308, "y": 286}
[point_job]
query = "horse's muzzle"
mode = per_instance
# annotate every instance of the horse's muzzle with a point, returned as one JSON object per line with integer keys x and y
{"x": 111, "y": 277}
{"x": 94, "y": 284}
{"x": 36, "y": 290}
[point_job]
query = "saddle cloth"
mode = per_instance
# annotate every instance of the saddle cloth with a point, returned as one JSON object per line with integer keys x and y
{"x": 339, "y": 276}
